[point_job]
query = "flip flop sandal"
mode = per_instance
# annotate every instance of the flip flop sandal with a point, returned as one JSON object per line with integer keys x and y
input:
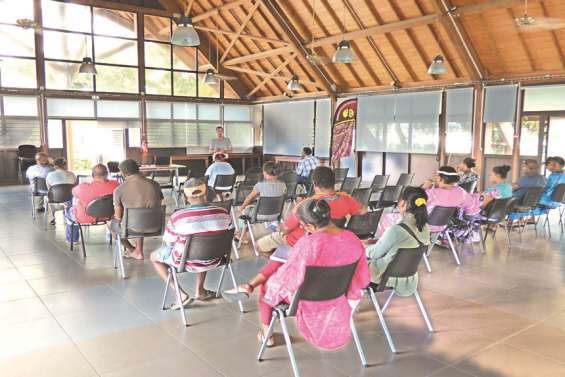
{"x": 185, "y": 303}
{"x": 261, "y": 338}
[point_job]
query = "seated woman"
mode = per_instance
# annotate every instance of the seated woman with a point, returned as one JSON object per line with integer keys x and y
{"x": 414, "y": 214}
{"x": 531, "y": 177}
{"x": 324, "y": 324}
{"x": 499, "y": 188}
{"x": 270, "y": 187}
{"x": 466, "y": 170}
{"x": 442, "y": 192}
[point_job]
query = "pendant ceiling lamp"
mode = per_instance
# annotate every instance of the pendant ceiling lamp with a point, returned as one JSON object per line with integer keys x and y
{"x": 343, "y": 53}
{"x": 87, "y": 66}
{"x": 210, "y": 77}
{"x": 294, "y": 84}
{"x": 185, "y": 35}
{"x": 438, "y": 66}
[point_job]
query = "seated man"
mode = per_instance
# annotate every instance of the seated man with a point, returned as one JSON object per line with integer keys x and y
{"x": 137, "y": 191}
{"x": 39, "y": 170}
{"x": 306, "y": 165}
{"x": 200, "y": 218}
{"x": 218, "y": 167}
{"x": 84, "y": 194}
{"x": 531, "y": 177}
{"x": 59, "y": 176}
{"x": 341, "y": 205}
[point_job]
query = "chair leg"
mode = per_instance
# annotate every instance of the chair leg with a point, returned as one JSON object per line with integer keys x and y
{"x": 388, "y": 300}
{"x": 548, "y": 224}
{"x": 267, "y": 336}
{"x": 249, "y": 226}
{"x": 427, "y": 263}
{"x": 179, "y": 299}
{"x": 221, "y": 281}
{"x": 242, "y": 234}
{"x": 166, "y": 289}
{"x": 120, "y": 257}
{"x": 81, "y": 240}
{"x": 423, "y": 310}
{"x": 507, "y": 230}
{"x": 482, "y": 241}
{"x": 234, "y": 247}
{"x": 234, "y": 217}
{"x": 235, "y": 286}
{"x": 382, "y": 320}
{"x": 33, "y": 211}
{"x": 356, "y": 337}
{"x": 289, "y": 347}
{"x": 453, "y": 250}
{"x": 46, "y": 217}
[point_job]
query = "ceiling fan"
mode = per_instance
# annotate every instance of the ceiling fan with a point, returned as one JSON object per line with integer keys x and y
{"x": 527, "y": 22}
{"x": 312, "y": 57}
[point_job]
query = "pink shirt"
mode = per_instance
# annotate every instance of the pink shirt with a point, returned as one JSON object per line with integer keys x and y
{"x": 453, "y": 197}
{"x": 324, "y": 324}
{"x": 86, "y": 193}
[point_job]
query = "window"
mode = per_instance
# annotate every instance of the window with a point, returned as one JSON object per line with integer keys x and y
{"x": 66, "y": 16}
{"x": 105, "y": 23}
{"x": 65, "y": 76}
{"x": 529, "y": 136}
{"x": 499, "y": 114}
{"x": 12, "y": 10}
{"x": 184, "y": 84}
{"x": 18, "y": 73}
{"x": 134, "y": 137}
{"x": 55, "y": 133}
{"x": 19, "y": 121}
{"x": 116, "y": 79}
{"x": 16, "y": 41}
{"x": 499, "y": 138}
{"x": 241, "y": 136}
{"x": 459, "y": 120}
{"x": 66, "y": 46}
{"x": 157, "y": 82}
{"x": 115, "y": 51}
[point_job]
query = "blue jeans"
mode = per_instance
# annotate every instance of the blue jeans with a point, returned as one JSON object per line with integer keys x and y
{"x": 72, "y": 233}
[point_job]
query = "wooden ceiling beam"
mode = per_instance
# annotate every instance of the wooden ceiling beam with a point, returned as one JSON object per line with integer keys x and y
{"x": 214, "y": 11}
{"x": 241, "y": 28}
{"x": 259, "y": 55}
{"x": 554, "y": 38}
{"x": 276, "y": 77}
{"x": 298, "y": 48}
{"x": 487, "y": 29}
{"x": 286, "y": 62}
{"x": 459, "y": 38}
{"x": 242, "y": 35}
{"x": 518, "y": 32}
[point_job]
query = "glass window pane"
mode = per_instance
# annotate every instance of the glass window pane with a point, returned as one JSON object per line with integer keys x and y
{"x": 165, "y": 134}
{"x": 425, "y": 138}
{"x": 20, "y": 131}
{"x": 18, "y": 73}
{"x": 116, "y": 79}
{"x": 184, "y": 110}
{"x": 65, "y": 76}
{"x": 208, "y": 112}
{"x": 499, "y": 138}
{"x": 20, "y": 106}
{"x": 157, "y": 55}
{"x": 184, "y": 58}
{"x": 397, "y": 137}
{"x": 55, "y": 133}
{"x": 157, "y": 28}
{"x": 237, "y": 113}
{"x": 67, "y": 46}
{"x": 529, "y": 137}
{"x": 66, "y": 16}
{"x": 115, "y": 51}
{"x": 158, "y": 110}
{"x": 201, "y": 134}
{"x": 134, "y": 137}
{"x": 16, "y": 41}
{"x": 115, "y": 22}
{"x": 241, "y": 136}
{"x": 209, "y": 91}
{"x": 184, "y": 84}
{"x": 12, "y": 10}
{"x": 117, "y": 109}
{"x": 157, "y": 82}
{"x": 458, "y": 137}
{"x": 67, "y": 107}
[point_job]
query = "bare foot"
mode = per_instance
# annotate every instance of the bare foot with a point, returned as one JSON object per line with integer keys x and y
{"x": 133, "y": 255}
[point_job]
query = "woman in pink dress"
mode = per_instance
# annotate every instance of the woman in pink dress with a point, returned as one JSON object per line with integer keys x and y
{"x": 444, "y": 192}
{"x": 324, "y": 324}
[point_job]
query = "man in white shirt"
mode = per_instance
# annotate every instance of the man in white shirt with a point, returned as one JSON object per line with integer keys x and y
{"x": 306, "y": 165}
{"x": 218, "y": 167}
{"x": 58, "y": 177}
{"x": 220, "y": 143}
{"x": 39, "y": 170}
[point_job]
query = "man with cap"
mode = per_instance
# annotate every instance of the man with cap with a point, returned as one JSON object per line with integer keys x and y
{"x": 200, "y": 218}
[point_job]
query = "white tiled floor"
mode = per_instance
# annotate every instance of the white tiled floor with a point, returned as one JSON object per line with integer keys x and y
{"x": 499, "y": 314}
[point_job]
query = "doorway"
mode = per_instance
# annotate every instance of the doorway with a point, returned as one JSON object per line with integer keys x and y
{"x": 93, "y": 142}
{"x": 542, "y": 135}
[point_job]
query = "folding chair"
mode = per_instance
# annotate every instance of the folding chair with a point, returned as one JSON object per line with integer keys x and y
{"x": 365, "y": 226}
{"x": 57, "y": 194}
{"x": 405, "y": 179}
{"x": 404, "y": 264}
{"x": 349, "y": 184}
{"x": 254, "y": 175}
{"x": 271, "y": 207}
{"x": 340, "y": 175}
{"x": 528, "y": 203}
{"x": 469, "y": 186}
{"x": 39, "y": 188}
{"x": 102, "y": 209}
{"x": 26, "y": 158}
{"x": 224, "y": 183}
{"x": 227, "y": 205}
{"x": 497, "y": 213}
{"x": 379, "y": 182}
{"x": 242, "y": 190}
{"x": 388, "y": 198}
{"x": 441, "y": 217}
{"x": 320, "y": 284}
{"x": 557, "y": 196}
{"x": 203, "y": 248}
{"x": 362, "y": 195}
{"x": 168, "y": 184}
{"x": 138, "y": 223}
{"x": 290, "y": 179}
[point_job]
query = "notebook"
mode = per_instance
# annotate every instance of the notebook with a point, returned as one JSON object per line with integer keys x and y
{"x": 281, "y": 253}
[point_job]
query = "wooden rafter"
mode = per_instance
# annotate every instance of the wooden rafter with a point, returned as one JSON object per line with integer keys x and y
{"x": 242, "y": 35}
{"x": 554, "y": 38}
{"x": 242, "y": 26}
{"x": 286, "y": 62}
{"x": 276, "y": 77}
{"x": 499, "y": 58}
{"x": 214, "y": 11}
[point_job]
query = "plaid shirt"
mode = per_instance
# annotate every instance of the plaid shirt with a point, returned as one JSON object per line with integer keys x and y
{"x": 306, "y": 165}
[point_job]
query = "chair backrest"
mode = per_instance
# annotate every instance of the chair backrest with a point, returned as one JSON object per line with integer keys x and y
{"x": 340, "y": 174}
{"x": 379, "y": 182}
{"x": 498, "y": 209}
{"x": 532, "y": 196}
{"x": 392, "y": 193}
{"x": 362, "y": 195}
{"x": 224, "y": 180}
{"x": 101, "y": 208}
{"x": 349, "y": 184}
{"x": 268, "y": 206}
{"x": 290, "y": 179}
{"x": 207, "y": 247}
{"x": 365, "y": 225}
{"x": 340, "y": 223}
{"x": 27, "y": 151}
{"x": 60, "y": 193}
{"x": 404, "y": 264}
{"x": 254, "y": 175}
{"x": 143, "y": 222}
{"x": 225, "y": 204}
{"x": 242, "y": 191}
{"x": 405, "y": 179}
{"x": 39, "y": 186}
{"x": 559, "y": 193}
{"x": 323, "y": 284}
{"x": 469, "y": 186}
{"x": 113, "y": 166}
{"x": 211, "y": 194}
{"x": 440, "y": 216}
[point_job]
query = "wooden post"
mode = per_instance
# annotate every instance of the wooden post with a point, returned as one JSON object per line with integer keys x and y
{"x": 40, "y": 76}
{"x": 517, "y": 134}
{"x": 333, "y": 106}
{"x": 443, "y": 129}
{"x": 478, "y": 129}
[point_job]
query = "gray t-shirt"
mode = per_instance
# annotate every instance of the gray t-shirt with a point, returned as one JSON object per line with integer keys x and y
{"x": 222, "y": 144}
{"x": 58, "y": 177}
{"x": 269, "y": 189}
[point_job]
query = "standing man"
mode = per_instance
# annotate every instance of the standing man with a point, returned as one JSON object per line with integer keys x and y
{"x": 137, "y": 191}
{"x": 220, "y": 143}
{"x": 306, "y": 165}
{"x": 39, "y": 170}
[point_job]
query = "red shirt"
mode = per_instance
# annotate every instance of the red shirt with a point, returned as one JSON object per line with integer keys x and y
{"x": 341, "y": 205}
{"x": 86, "y": 193}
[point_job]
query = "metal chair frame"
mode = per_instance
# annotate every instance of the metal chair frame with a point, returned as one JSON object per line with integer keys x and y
{"x": 349, "y": 184}
{"x": 405, "y": 179}
{"x": 557, "y": 196}
{"x": 445, "y": 222}
{"x": 100, "y": 220}
{"x": 497, "y": 213}
{"x": 277, "y": 204}
{"x": 66, "y": 196}
{"x": 39, "y": 189}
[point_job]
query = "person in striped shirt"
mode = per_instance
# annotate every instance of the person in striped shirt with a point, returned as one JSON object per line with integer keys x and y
{"x": 200, "y": 218}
